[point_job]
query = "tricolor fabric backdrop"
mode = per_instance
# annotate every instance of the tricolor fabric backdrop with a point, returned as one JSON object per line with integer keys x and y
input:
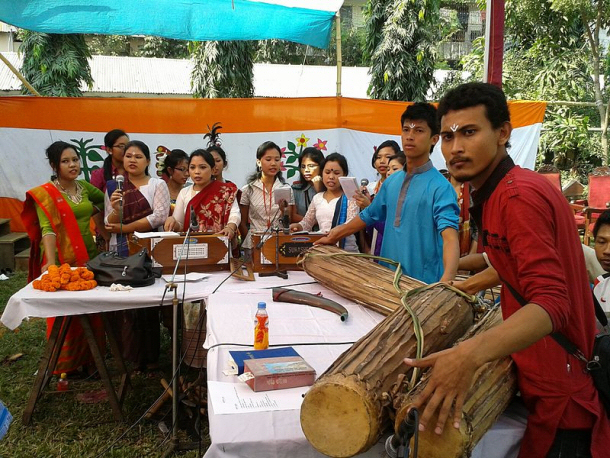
{"x": 353, "y": 127}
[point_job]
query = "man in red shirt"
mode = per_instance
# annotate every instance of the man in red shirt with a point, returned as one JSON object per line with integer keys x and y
{"x": 527, "y": 230}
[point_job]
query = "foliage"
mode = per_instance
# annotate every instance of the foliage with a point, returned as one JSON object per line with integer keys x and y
{"x": 222, "y": 69}
{"x": 566, "y": 142}
{"x": 402, "y": 49}
{"x": 164, "y": 47}
{"x": 286, "y": 52}
{"x": 110, "y": 45}
{"x": 595, "y": 17}
{"x": 55, "y": 65}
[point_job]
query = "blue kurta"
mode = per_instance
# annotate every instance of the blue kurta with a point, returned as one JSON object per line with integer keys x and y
{"x": 414, "y": 222}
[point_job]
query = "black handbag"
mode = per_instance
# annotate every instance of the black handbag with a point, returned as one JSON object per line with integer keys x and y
{"x": 136, "y": 270}
{"x": 599, "y": 364}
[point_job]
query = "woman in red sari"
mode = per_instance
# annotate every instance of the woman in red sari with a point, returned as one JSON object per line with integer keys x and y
{"x": 210, "y": 199}
{"x": 57, "y": 216}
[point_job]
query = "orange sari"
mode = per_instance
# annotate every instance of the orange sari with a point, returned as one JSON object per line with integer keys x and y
{"x": 71, "y": 249}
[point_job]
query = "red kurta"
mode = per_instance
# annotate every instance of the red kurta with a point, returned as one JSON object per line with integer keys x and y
{"x": 528, "y": 232}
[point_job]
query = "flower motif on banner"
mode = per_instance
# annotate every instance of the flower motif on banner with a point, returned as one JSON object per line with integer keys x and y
{"x": 302, "y": 141}
{"x": 160, "y": 155}
{"x": 290, "y": 153}
{"x": 321, "y": 145}
{"x": 88, "y": 155}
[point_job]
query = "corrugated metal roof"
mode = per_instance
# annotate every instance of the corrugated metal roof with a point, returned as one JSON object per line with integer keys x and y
{"x": 133, "y": 76}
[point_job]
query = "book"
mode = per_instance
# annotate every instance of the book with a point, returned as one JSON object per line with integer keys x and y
{"x": 239, "y": 356}
{"x": 277, "y": 373}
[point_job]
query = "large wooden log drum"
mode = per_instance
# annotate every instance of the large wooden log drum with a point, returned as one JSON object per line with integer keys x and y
{"x": 494, "y": 386}
{"x": 356, "y": 278}
{"x": 347, "y": 409}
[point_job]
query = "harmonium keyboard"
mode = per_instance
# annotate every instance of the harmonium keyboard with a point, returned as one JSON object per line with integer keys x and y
{"x": 287, "y": 246}
{"x": 203, "y": 252}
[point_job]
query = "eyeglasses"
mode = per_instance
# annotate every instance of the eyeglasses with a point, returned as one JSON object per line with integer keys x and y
{"x": 182, "y": 169}
{"x": 309, "y": 166}
{"x": 119, "y": 146}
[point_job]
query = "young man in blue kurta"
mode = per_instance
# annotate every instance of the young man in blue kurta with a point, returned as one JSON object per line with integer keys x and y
{"x": 418, "y": 205}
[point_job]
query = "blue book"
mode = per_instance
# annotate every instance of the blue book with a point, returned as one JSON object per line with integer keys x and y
{"x": 239, "y": 356}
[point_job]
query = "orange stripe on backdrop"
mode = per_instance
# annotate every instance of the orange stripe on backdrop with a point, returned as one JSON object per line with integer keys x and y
{"x": 187, "y": 116}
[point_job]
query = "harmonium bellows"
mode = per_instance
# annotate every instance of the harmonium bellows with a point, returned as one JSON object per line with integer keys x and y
{"x": 203, "y": 252}
{"x": 288, "y": 248}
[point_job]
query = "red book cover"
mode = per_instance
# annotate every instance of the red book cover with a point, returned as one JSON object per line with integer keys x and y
{"x": 278, "y": 373}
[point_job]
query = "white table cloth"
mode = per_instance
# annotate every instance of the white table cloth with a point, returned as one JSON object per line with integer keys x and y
{"x": 30, "y": 302}
{"x": 231, "y": 319}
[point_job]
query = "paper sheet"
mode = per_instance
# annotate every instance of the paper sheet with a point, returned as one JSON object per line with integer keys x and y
{"x": 230, "y": 398}
{"x": 190, "y": 277}
{"x": 153, "y": 235}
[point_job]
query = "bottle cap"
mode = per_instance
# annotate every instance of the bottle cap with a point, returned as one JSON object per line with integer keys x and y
{"x": 262, "y": 305}
{"x": 63, "y": 376}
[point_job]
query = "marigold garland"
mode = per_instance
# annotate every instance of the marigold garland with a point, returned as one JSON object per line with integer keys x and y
{"x": 63, "y": 277}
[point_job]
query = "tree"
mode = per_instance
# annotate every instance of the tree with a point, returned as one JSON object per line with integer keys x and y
{"x": 595, "y": 17}
{"x": 164, "y": 47}
{"x": 222, "y": 69}
{"x": 401, "y": 38}
{"x": 56, "y": 65}
{"x": 110, "y": 45}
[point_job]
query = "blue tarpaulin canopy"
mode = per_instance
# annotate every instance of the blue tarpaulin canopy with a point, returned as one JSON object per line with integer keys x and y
{"x": 301, "y": 21}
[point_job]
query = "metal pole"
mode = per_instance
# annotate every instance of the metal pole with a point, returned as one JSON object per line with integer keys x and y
{"x": 19, "y": 75}
{"x": 339, "y": 55}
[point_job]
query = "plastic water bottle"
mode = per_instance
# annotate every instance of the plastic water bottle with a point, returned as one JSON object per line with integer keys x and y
{"x": 62, "y": 383}
{"x": 261, "y": 327}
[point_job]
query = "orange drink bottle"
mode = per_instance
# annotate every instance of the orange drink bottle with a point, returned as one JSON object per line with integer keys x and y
{"x": 261, "y": 327}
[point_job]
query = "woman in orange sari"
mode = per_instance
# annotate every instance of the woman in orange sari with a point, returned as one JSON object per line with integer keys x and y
{"x": 57, "y": 216}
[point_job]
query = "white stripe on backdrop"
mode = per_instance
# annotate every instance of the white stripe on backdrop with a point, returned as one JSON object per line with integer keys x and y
{"x": 24, "y": 164}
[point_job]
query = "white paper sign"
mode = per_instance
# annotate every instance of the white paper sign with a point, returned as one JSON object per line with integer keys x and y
{"x": 230, "y": 398}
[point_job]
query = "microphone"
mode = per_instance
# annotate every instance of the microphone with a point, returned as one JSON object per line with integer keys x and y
{"x": 286, "y": 218}
{"x": 363, "y": 184}
{"x": 406, "y": 430}
{"x": 194, "y": 222}
{"x": 120, "y": 179}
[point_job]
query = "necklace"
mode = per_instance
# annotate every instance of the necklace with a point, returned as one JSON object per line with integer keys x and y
{"x": 77, "y": 198}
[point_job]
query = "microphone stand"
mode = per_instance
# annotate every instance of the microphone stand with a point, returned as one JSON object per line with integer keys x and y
{"x": 175, "y": 444}
{"x": 277, "y": 273}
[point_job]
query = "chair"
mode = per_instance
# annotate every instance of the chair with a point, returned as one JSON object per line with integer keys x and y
{"x": 598, "y": 200}
{"x": 551, "y": 173}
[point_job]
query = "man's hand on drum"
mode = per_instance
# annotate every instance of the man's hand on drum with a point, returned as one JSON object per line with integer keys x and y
{"x": 451, "y": 378}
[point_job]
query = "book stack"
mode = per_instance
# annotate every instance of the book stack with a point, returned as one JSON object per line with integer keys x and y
{"x": 273, "y": 369}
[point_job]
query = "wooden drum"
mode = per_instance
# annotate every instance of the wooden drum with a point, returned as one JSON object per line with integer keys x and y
{"x": 493, "y": 388}
{"x": 356, "y": 278}
{"x": 346, "y": 410}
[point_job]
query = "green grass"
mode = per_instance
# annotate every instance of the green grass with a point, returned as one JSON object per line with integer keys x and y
{"x": 61, "y": 425}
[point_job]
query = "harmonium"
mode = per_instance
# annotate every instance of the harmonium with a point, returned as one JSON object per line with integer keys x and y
{"x": 285, "y": 248}
{"x": 203, "y": 252}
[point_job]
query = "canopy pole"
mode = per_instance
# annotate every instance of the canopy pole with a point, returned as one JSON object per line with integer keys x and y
{"x": 494, "y": 42}
{"x": 339, "y": 55}
{"x": 19, "y": 75}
